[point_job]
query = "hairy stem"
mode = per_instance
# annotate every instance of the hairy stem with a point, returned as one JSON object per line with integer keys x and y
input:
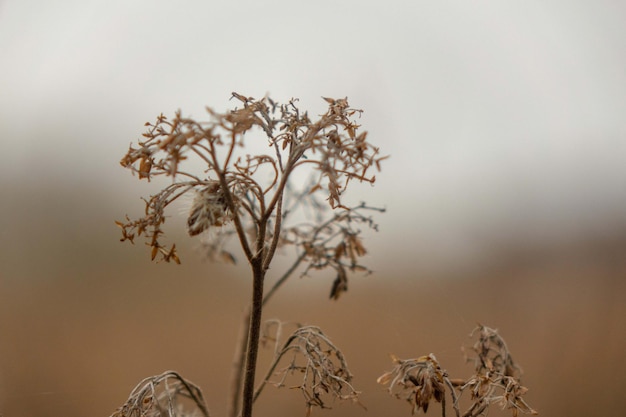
{"x": 242, "y": 343}
{"x": 254, "y": 333}
{"x": 238, "y": 365}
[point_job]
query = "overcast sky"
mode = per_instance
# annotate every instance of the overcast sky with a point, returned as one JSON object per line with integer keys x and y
{"x": 495, "y": 113}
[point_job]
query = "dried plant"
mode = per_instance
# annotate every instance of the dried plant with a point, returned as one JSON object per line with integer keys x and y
{"x": 168, "y": 394}
{"x": 257, "y": 200}
{"x": 262, "y": 203}
{"x": 496, "y": 380}
{"x": 317, "y": 362}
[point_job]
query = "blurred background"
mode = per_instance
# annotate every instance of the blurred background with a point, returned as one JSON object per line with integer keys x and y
{"x": 505, "y": 193}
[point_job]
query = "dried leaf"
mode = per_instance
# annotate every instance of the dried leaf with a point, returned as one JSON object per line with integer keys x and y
{"x": 385, "y": 378}
{"x": 228, "y": 257}
{"x": 340, "y": 285}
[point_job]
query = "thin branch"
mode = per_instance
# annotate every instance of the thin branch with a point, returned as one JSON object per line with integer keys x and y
{"x": 253, "y": 337}
{"x": 284, "y": 277}
{"x": 276, "y": 236}
{"x": 238, "y": 366}
{"x": 231, "y": 204}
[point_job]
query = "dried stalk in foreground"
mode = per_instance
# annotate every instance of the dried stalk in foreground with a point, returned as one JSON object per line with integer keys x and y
{"x": 323, "y": 368}
{"x": 496, "y": 380}
{"x": 168, "y": 394}
{"x": 253, "y": 198}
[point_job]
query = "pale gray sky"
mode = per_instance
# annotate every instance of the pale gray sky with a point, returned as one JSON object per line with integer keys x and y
{"x": 496, "y": 113}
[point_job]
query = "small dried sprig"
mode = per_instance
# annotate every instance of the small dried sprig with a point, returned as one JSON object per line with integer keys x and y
{"x": 492, "y": 354}
{"x": 418, "y": 381}
{"x": 335, "y": 243}
{"x": 496, "y": 380}
{"x": 310, "y": 353}
{"x": 497, "y": 376}
{"x": 165, "y": 395}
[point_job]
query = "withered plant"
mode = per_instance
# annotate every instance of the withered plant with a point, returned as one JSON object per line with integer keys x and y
{"x": 288, "y": 198}
{"x": 316, "y": 362}
{"x": 496, "y": 380}
{"x": 166, "y": 394}
{"x": 265, "y": 201}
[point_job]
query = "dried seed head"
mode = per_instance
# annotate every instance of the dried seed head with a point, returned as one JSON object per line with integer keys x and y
{"x": 207, "y": 209}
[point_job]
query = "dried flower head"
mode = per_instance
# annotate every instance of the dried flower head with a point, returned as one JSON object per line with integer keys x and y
{"x": 496, "y": 380}
{"x": 207, "y": 209}
{"x": 418, "y": 381}
{"x": 249, "y": 191}
{"x": 168, "y": 394}
{"x": 321, "y": 369}
{"x": 497, "y": 376}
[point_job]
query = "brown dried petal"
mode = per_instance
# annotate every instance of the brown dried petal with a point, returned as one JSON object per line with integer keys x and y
{"x": 340, "y": 285}
{"x": 144, "y": 168}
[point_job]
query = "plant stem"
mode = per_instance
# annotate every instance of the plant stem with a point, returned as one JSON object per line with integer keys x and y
{"x": 242, "y": 343}
{"x": 253, "y": 335}
{"x": 238, "y": 365}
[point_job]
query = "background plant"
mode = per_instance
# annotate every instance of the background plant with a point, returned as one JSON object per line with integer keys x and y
{"x": 256, "y": 199}
{"x": 496, "y": 380}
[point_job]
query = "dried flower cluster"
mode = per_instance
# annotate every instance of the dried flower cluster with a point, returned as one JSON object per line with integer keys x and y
{"x": 208, "y": 209}
{"x": 419, "y": 381}
{"x": 334, "y": 243}
{"x": 322, "y": 370}
{"x": 243, "y": 189}
{"x": 496, "y": 380}
{"x": 497, "y": 376}
{"x": 167, "y": 394}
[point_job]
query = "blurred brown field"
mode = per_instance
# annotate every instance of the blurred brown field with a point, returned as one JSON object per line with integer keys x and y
{"x": 83, "y": 318}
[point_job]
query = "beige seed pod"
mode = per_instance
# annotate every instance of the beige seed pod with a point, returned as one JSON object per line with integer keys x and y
{"x": 207, "y": 209}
